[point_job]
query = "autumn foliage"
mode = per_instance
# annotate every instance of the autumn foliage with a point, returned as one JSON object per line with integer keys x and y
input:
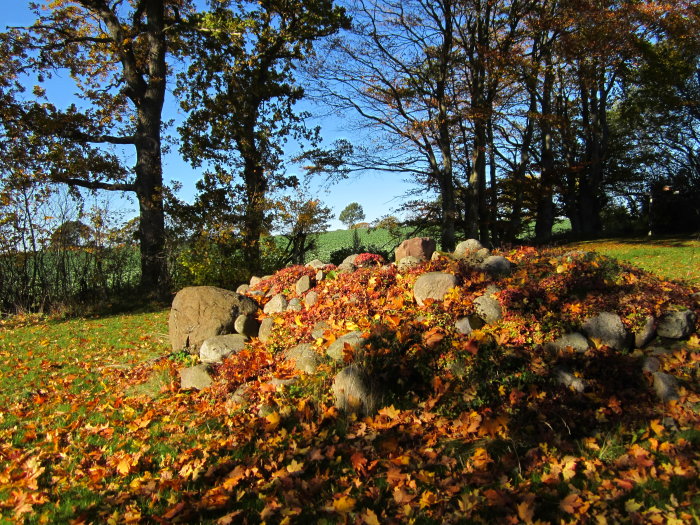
{"x": 473, "y": 428}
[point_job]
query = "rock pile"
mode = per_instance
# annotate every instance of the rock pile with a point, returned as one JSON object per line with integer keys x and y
{"x": 216, "y": 323}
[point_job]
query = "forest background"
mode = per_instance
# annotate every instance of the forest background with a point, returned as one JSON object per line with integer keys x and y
{"x": 505, "y": 118}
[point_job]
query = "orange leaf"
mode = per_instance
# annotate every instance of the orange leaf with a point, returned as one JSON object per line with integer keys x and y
{"x": 526, "y": 509}
{"x": 570, "y": 503}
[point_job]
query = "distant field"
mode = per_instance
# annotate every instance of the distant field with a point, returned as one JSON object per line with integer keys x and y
{"x": 329, "y": 242}
{"x": 670, "y": 257}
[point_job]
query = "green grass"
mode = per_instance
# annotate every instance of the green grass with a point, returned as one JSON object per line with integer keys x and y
{"x": 328, "y": 242}
{"x": 675, "y": 258}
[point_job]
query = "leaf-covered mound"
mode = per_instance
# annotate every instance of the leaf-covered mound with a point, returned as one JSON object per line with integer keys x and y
{"x": 475, "y": 427}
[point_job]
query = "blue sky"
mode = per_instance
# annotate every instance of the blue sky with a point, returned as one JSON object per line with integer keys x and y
{"x": 377, "y": 193}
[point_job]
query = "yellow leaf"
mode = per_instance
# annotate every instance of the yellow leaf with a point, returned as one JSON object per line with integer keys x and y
{"x": 632, "y": 506}
{"x": 273, "y": 420}
{"x": 390, "y": 412}
{"x": 295, "y": 466}
{"x": 344, "y": 504}
{"x": 370, "y": 517}
{"x": 124, "y": 466}
{"x": 428, "y": 499}
{"x": 657, "y": 427}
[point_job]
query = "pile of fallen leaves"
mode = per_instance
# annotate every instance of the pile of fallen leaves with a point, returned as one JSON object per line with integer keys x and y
{"x": 474, "y": 427}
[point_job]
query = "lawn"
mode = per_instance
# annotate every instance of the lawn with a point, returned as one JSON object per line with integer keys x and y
{"x": 668, "y": 257}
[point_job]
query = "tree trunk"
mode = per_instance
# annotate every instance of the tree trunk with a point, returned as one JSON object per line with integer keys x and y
{"x": 544, "y": 221}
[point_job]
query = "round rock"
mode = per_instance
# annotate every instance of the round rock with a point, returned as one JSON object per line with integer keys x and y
{"x": 214, "y": 349}
{"x": 607, "y": 329}
{"x": 277, "y": 304}
{"x": 433, "y": 285}
{"x": 354, "y": 392}
{"x": 676, "y": 325}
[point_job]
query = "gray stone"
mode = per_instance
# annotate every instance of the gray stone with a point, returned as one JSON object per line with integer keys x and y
{"x": 311, "y": 298}
{"x": 320, "y": 329}
{"x": 320, "y": 276}
{"x": 496, "y": 265}
{"x": 346, "y": 267}
{"x": 406, "y": 263}
{"x": 574, "y": 340}
{"x": 195, "y": 377}
{"x": 354, "y": 392}
{"x": 201, "y": 312}
{"x": 247, "y": 325}
{"x": 466, "y": 247}
{"x": 492, "y": 289}
{"x": 665, "y": 386}
{"x": 569, "y": 380}
{"x": 294, "y": 305}
{"x": 676, "y": 325}
{"x": 644, "y": 335}
{"x": 277, "y": 304}
{"x": 254, "y": 280}
{"x": 266, "y": 329}
{"x": 214, "y": 349}
{"x": 316, "y": 264}
{"x": 488, "y": 308}
{"x": 350, "y": 259}
{"x": 283, "y": 383}
{"x": 433, "y": 285}
{"x": 607, "y": 329}
{"x": 243, "y": 289}
{"x": 651, "y": 364}
{"x": 336, "y": 348}
{"x": 304, "y": 357}
{"x": 303, "y": 284}
{"x": 466, "y": 325}
{"x": 241, "y": 395}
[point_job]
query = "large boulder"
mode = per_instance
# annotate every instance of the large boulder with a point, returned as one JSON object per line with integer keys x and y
{"x": 676, "y": 325}
{"x": 354, "y": 391}
{"x": 214, "y": 349}
{"x": 607, "y": 329}
{"x": 201, "y": 312}
{"x": 433, "y": 285}
{"x": 419, "y": 247}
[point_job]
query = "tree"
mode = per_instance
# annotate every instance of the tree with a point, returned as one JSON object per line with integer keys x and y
{"x": 115, "y": 52}
{"x": 300, "y": 220}
{"x": 352, "y": 214}
{"x": 240, "y": 93}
